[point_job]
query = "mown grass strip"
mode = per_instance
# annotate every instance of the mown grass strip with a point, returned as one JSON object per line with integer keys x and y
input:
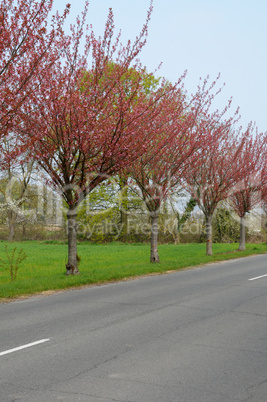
{"x": 44, "y": 268}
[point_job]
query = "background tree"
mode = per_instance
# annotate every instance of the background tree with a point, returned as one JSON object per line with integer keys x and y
{"x": 225, "y": 227}
{"x": 15, "y": 182}
{"x": 98, "y": 213}
{"x": 99, "y": 216}
{"x": 182, "y": 218}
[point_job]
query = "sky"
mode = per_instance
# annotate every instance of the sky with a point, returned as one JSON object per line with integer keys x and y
{"x": 204, "y": 37}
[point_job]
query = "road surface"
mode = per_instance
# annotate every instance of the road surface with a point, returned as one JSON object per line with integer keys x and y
{"x": 198, "y": 335}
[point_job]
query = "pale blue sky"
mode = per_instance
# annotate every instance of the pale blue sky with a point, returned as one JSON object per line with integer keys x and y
{"x": 201, "y": 36}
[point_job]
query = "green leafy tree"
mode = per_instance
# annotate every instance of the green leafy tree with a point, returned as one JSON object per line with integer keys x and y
{"x": 17, "y": 195}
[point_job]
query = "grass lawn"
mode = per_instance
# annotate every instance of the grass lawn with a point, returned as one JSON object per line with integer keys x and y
{"x": 44, "y": 268}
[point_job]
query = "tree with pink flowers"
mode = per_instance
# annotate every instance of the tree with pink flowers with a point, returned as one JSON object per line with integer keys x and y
{"x": 217, "y": 168}
{"x": 91, "y": 116}
{"x": 248, "y": 192}
{"x": 28, "y": 47}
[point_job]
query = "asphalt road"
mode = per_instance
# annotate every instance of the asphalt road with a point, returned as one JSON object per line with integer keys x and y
{"x": 197, "y": 336}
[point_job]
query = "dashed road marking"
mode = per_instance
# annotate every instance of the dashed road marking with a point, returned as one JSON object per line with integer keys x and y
{"x": 28, "y": 345}
{"x": 257, "y": 277}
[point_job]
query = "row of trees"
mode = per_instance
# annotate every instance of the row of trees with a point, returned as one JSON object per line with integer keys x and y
{"x": 86, "y": 110}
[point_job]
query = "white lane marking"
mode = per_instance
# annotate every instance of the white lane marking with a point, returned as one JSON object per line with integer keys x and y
{"x": 23, "y": 347}
{"x": 257, "y": 277}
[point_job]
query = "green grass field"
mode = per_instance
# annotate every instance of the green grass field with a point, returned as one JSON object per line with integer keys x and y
{"x": 44, "y": 268}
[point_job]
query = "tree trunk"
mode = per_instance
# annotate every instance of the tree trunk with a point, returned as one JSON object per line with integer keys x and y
{"x": 124, "y": 208}
{"x": 11, "y": 226}
{"x": 154, "y": 256}
{"x": 124, "y": 224}
{"x": 72, "y": 267}
{"x": 242, "y": 240}
{"x": 177, "y": 238}
{"x": 209, "y": 234}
